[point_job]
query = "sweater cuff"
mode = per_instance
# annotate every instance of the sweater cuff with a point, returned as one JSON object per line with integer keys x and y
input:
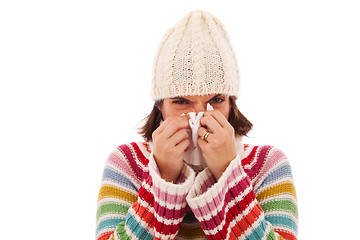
{"x": 182, "y": 185}
{"x": 205, "y": 187}
{"x": 215, "y": 204}
{"x": 169, "y": 200}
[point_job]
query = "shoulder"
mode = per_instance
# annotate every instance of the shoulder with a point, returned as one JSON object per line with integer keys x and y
{"x": 135, "y": 151}
{"x": 259, "y": 160}
{"x": 131, "y": 158}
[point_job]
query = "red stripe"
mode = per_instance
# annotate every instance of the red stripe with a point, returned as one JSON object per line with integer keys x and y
{"x": 105, "y": 236}
{"x": 126, "y": 150}
{"x": 146, "y": 196}
{"x": 140, "y": 155}
{"x": 238, "y": 208}
{"x": 261, "y": 156}
{"x": 286, "y": 235}
{"x": 246, "y": 222}
{"x": 250, "y": 157}
{"x": 166, "y": 229}
{"x": 169, "y": 214}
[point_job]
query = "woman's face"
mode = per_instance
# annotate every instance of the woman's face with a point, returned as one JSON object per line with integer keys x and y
{"x": 179, "y": 105}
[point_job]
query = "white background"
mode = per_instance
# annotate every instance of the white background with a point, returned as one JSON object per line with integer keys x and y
{"x": 75, "y": 80}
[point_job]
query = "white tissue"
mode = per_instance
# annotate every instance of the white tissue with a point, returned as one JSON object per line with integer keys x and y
{"x": 194, "y": 155}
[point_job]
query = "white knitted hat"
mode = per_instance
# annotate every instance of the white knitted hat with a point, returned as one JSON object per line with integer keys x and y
{"x": 195, "y": 57}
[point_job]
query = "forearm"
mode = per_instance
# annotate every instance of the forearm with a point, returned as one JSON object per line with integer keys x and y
{"x": 228, "y": 209}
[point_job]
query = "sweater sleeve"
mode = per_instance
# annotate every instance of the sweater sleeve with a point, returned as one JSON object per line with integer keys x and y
{"x": 232, "y": 209}
{"x": 146, "y": 208}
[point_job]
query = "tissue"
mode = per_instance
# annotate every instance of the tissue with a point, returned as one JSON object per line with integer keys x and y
{"x": 194, "y": 155}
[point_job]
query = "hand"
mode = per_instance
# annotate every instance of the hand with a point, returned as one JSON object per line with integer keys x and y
{"x": 170, "y": 141}
{"x": 219, "y": 149}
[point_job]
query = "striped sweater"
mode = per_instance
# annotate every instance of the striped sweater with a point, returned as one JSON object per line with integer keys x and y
{"x": 253, "y": 199}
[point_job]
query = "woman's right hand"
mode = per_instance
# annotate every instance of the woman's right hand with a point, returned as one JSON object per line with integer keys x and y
{"x": 170, "y": 141}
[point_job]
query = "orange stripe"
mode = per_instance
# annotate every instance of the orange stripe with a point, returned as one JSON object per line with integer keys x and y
{"x": 245, "y": 222}
{"x": 144, "y": 214}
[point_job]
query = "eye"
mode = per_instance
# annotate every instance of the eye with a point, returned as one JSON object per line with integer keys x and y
{"x": 217, "y": 100}
{"x": 180, "y": 101}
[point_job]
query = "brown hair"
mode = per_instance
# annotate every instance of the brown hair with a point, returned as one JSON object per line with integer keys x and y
{"x": 239, "y": 122}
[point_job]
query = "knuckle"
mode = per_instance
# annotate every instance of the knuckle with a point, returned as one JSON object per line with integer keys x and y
{"x": 184, "y": 133}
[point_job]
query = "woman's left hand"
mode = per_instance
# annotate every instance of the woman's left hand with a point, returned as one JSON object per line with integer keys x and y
{"x": 219, "y": 147}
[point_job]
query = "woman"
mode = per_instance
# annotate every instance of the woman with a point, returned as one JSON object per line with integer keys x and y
{"x": 155, "y": 189}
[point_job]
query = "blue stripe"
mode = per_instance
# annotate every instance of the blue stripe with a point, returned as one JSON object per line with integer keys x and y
{"x": 281, "y": 172}
{"x": 137, "y": 229}
{"x": 283, "y": 221}
{"x": 119, "y": 178}
{"x": 259, "y": 232}
{"x": 108, "y": 223}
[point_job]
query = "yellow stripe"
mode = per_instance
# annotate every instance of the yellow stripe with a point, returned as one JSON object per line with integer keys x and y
{"x": 113, "y": 192}
{"x": 281, "y": 189}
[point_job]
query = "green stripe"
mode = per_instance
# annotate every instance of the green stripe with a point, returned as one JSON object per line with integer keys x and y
{"x": 280, "y": 205}
{"x": 109, "y": 208}
{"x": 271, "y": 235}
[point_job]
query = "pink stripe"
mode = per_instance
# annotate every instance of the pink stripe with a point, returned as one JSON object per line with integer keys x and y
{"x": 121, "y": 164}
{"x": 167, "y": 197}
{"x": 274, "y": 157}
{"x": 237, "y": 209}
{"x": 222, "y": 196}
{"x": 181, "y": 178}
{"x": 209, "y": 182}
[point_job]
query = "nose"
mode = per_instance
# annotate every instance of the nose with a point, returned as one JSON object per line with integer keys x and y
{"x": 199, "y": 107}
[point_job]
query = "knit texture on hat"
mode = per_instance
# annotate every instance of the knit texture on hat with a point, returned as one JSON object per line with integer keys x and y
{"x": 195, "y": 57}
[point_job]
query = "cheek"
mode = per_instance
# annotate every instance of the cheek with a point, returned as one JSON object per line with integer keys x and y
{"x": 225, "y": 110}
{"x": 170, "y": 112}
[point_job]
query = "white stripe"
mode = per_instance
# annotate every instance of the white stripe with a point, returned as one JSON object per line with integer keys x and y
{"x": 162, "y": 203}
{"x": 115, "y": 200}
{"x": 157, "y": 216}
{"x": 238, "y": 218}
{"x": 216, "y": 190}
{"x": 107, "y": 216}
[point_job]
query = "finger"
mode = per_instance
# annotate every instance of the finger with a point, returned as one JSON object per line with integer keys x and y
{"x": 165, "y": 123}
{"x": 201, "y": 133}
{"x": 219, "y": 117}
{"x": 171, "y": 125}
{"x": 202, "y": 144}
{"x": 178, "y": 137}
{"x": 210, "y": 122}
{"x": 183, "y": 145}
